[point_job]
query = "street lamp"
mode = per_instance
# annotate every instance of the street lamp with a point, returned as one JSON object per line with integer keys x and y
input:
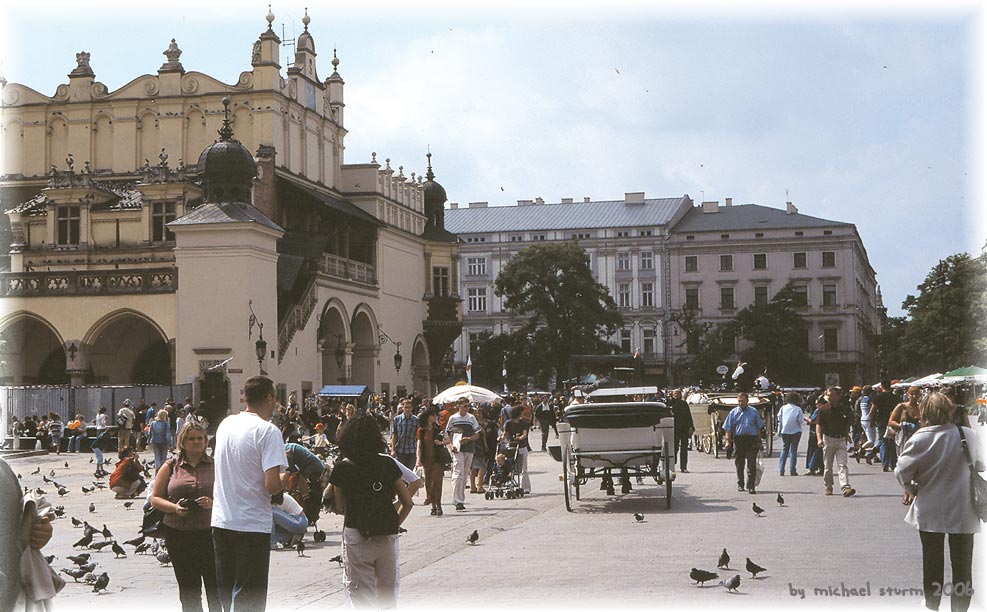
{"x": 382, "y": 339}
{"x": 260, "y": 347}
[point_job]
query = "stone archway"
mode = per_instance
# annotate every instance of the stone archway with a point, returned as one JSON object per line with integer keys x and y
{"x": 364, "y": 343}
{"x": 31, "y": 352}
{"x": 333, "y": 344}
{"x": 128, "y": 348}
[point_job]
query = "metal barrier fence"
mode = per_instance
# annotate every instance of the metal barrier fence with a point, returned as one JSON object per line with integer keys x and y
{"x": 69, "y": 401}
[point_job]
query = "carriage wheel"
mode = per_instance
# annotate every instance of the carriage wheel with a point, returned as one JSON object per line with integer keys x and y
{"x": 707, "y": 444}
{"x": 576, "y": 481}
{"x": 567, "y": 478}
{"x": 667, "y": 461}
{"x": 716, "y": 444}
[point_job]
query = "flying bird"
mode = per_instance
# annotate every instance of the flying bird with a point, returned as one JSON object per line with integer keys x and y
{"x": 731, "y": 584}
{"x": 780, "y": 500}
{"x": 758, "y": 510}
{"x": 102, "y": 581}
{"x": 74, "y": 572}
{"x": 117, "y": 550}
{"x": 136, "y": 541}
{"x": 84, "y": 542}
{"x": 338, "y": 559}
{"x": 702, "y": 576}
{"x": 300, "y": 547}
{"x": 92, "y": 507}
{"x": 473, "y": 537}
{"x": 638, "y": 517}
{"x": 753, "y": 568}
{"x": 724, "y": 561}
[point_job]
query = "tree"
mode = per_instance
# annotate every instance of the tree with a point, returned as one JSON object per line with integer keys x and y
{"x": 778, "y": 336}
{"x": 567, "y": 312}
{"x": 945, "y": 328}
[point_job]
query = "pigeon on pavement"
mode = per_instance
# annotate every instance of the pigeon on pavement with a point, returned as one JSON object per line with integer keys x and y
{"x": 300, "y": 547}
{"x": 163, "y": 557}
{"x": 106, "y": 532}
{"x": 142, "y": 548}
{"x": 76, "y": 522}
{"x": 731, "y": 584}
{"x": 724, "y": 561}
{"x": 75, "y": 573}
{"x": 758, "y": 510}
{"x": 754, "y": 568}
{"x": 338, "y": 559}
{"x": 473, "y": 537}
{"x": 102, "y": 581}
{"x": 92, "y": 507}
{"x": 88, "y": 567}
{"x": 638, "y": 517}
{"x": 136, "y": 541}
{"x": 101, "y": 545}
{"x": 49, "y": 559}
{"x": 117, "y": 550}
{"x": 128, "y": 505}
{"x": 79, "y": 559}
{"x": 84, "y": 542}
{"x": 702, "y": 576}
{"x": 780, "y": 500}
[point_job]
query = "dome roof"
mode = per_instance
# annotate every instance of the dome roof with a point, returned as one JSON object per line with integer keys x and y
{"x": 228, "y": 159}
{"x": 434, "y": 192}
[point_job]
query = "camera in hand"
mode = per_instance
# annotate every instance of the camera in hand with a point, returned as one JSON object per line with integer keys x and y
{"x": 189, "y": 503}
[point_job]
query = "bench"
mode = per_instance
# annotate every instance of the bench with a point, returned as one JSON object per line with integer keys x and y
{"x": 20, "y": 442}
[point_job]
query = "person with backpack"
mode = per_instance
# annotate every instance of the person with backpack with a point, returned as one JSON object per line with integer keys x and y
{"x": 125, "y": 423}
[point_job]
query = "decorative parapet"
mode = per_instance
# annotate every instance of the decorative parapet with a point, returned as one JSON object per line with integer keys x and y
{"x": 97, "y": 282}
{"x": 347, "y": 269}
{"x": 296, "y": 319}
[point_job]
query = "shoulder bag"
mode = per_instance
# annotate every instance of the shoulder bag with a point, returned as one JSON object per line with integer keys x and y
{"x": 152, "y": 524}
{"x": 978, "y": 486}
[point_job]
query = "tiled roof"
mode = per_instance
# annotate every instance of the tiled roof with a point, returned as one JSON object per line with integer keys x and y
{"x": 747, "y": 217}
{"x": 577, "y": 215}
{"x": 226, "y": 212}
{"x": 126, "y": 198}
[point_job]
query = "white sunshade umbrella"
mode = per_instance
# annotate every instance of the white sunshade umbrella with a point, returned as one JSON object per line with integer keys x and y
{"x": 470, "y": 392}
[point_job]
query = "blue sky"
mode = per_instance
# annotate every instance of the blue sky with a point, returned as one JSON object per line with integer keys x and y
{"x": 860, "y": 114}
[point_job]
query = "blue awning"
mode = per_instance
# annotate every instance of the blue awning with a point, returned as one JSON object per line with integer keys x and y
{"x": 343, "y": 390}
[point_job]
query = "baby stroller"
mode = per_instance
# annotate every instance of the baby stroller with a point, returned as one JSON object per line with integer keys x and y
{"x": 503, "y": 482}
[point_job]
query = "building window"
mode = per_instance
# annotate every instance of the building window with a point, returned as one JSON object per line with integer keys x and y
{"x": 440, "y": 281}
{"x": 760, "y": 295}
{"x": 647, "y": 295}
{"x": 68, "y": 220}
{"x": 476, "y": 239}
{"x": 691, "y": 263}
{"x": 623, "y": 234}
{"x": 724, "y": 236}
{"x": 692, "y": 298}
{"x": 830, "y": 341}
{"x": 648, "y": 261}
{"x": 623, "y": 261}
{"x": 800, "y": 298}
{"x": 726, "y": 263}
{"x": 476, "y": 266}
{"x": 474, "y": 342}
{"x": 827, "y": 232}
{"x": 649, "y": 341}
{"x": 625, "y": 340}
{"x": 538, "y": 237}
{"x": 477, "y": 299}
{"x": 829, "y": 259}
{"x": 162, "y": 213}
{"x": 799, "y": 234}
{"x": 799, "y": 261}
{"x": 690, "y": 237}
{"x": 580, "y": 236}
{"x": 829, "y": 295}
{"x": 726, "y": 298}
{"x": 759, "y": 234}
{"x": 624, "y": 295}
{"x": 645, "y": 233}
{"x": 517, "y": 238}
{"x": 760, "y": 261}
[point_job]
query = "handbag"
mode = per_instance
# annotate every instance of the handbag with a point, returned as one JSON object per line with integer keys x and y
{"x": 152, "y": 525}
{"x": 978, "y": 486}
{"x": 758, "y": 468}
{"x": 443, "y": 456}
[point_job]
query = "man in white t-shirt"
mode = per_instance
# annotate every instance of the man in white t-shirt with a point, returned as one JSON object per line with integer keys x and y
{"x": 462, "y": 429}
{"x": 248, "y": 461}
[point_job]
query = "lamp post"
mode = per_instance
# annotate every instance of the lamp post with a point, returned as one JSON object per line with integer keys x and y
{"x": 669, "y": 328}
{"x": 383, "y": 339}
{"x": 260, "y": 346}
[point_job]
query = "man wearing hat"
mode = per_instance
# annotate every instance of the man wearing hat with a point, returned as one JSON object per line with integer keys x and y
{"x": 125, "y": 422}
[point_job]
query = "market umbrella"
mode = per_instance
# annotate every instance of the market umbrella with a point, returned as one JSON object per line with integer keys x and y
{"x": 470, "y": 392}
{"x": 967, "y": 371}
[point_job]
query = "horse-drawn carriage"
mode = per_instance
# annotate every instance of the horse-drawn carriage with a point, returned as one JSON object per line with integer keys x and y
{"x": 616, "y": 430}
{"x": 710, "y": 410}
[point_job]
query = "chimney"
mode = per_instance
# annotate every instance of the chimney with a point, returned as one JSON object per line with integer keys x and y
{"x": 790, "y": 209}
{"x": 634, "y": 197}
{"x": 728, "y": 201}
{"x": 525, "y": 202}
{"x": 711, "y": 207}
{"x": 478, "y": 204}
{"x": 586, "y": 199}
{"x": 567, "y": 200}
{"x": 453, "y": 205}
{"x": 539, "y": 201}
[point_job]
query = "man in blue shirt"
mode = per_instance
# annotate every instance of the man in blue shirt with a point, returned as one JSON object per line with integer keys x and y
{"x": 404, "y": 439}
{"x": 743, "y": 428}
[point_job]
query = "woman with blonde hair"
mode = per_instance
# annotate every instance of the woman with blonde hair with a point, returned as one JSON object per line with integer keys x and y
{"x": 159, "y": 436}
{"x": 183, "y": 490}
{"x": 933, "y": 469}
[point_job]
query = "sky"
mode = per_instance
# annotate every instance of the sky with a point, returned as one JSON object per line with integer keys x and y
{"x": 869, "y": 113}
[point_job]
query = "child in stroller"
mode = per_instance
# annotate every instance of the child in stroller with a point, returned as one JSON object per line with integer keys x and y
{"x": 502, "y": 480}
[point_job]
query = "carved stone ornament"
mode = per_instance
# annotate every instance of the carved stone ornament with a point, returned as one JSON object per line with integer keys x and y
{"x": 172, "y": 53}
{"x": 82, "y": 67}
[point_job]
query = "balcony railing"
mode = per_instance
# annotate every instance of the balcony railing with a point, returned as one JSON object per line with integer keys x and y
{"x": 85, "y": 282}
{"x": 348, "y": 269}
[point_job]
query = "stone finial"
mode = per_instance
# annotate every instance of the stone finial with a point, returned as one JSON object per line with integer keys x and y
{"x": 172, "y": 53}
{"x": 335, "y": 61}
{"x": 373, "y": 157}
{"x": 270, "y": 18}
{"x": 306, "y": 19}
{"x": 388, "y": 163}
{"x": 400, "y": 171}
{"x": 82, "y": 67}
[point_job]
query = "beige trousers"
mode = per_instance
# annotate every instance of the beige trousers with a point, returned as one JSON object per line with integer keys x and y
{"x": 370, "y": 570}
{"x": 835, "y": 450}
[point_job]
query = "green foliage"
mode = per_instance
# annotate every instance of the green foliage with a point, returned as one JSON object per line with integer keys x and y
{"x": 777, "y": 334}
{"x": 706, "y": 347}
{"x": 945, "y": 326}
{"x": 565, "y": 311}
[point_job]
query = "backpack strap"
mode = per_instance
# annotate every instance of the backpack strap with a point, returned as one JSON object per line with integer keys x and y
{"x": 966, "y": 451}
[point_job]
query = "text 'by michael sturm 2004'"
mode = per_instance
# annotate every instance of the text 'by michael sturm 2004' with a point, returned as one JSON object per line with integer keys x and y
{"x": 867, "y": 590}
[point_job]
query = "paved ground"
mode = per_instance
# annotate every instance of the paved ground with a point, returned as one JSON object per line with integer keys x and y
{"x": 532, "y": 553}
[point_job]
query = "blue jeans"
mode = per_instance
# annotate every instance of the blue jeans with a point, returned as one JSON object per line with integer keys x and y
{"x": 789, "y": 450}
{"x": 160, "y": 455}
{"x": 75, "y": 443}
{"x": 285, "y": 526}
{"x": 243, "y": 560}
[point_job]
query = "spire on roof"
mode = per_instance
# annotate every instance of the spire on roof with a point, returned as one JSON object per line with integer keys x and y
{"x": 226, "y": 132}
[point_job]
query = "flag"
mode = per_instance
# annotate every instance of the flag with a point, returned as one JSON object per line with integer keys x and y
{"x": 469, "y": 370}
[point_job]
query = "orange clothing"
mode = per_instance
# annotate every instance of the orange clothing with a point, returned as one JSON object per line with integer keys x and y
{"x": 74, "y": 425}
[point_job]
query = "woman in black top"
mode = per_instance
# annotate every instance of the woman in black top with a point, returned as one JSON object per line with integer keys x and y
{"x": 364, "y": 485}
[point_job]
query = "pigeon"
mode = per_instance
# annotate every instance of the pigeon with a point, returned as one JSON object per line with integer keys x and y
{"x": 163, "y": 557}
{"x": 128, "y": 505}
{"x": 142, "y": 549}
{"x": 102, "y": 581}
{"x": 92, "y": 507}
{"x": 702, "y": 576}
{"x": 638, "y": 517}
{"x": 66, "y": 464}
{"x": 780, "y": 500}
{"x": 52, "y": 473}
{"x": 40, "y": 491}
{"x": 87, "y": 490}
{"x": 724, "y": 561}
{"x": 79, "y": 559}
{"x": 118, "y": 550}
{"x": 732, "y": 584}
{"x": 300, "y": 547}
{"x": 90, "y": 460}
{"x": 49, "y": 559}
{"x": 99, "y": 485}
{"x": 754, "y": 568}
{"x": 338, "y": 559}
{"x": 89, "y": 530}
{"x": 75, "y": 573}
{"x": 473, "y": 537}
{"x": 106, "y": 532}
{"x": 36, "y": 472}
{"x": 59, "y": 511}
{"x": 45, "y": 479}
{"x": 319, "y": 536}
{"x": 101, "y": 545}
{"x": 136, "y": 541}
{"x": 88, "y": 567}
{"x": 84, "y": 542}
{"x": 63, "y": 491}
{"x": 89, "y": 578}
{"x": 758, "y": 510}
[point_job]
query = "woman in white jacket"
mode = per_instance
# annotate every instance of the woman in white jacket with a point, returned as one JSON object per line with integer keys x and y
{"x": 933, "y": 469}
